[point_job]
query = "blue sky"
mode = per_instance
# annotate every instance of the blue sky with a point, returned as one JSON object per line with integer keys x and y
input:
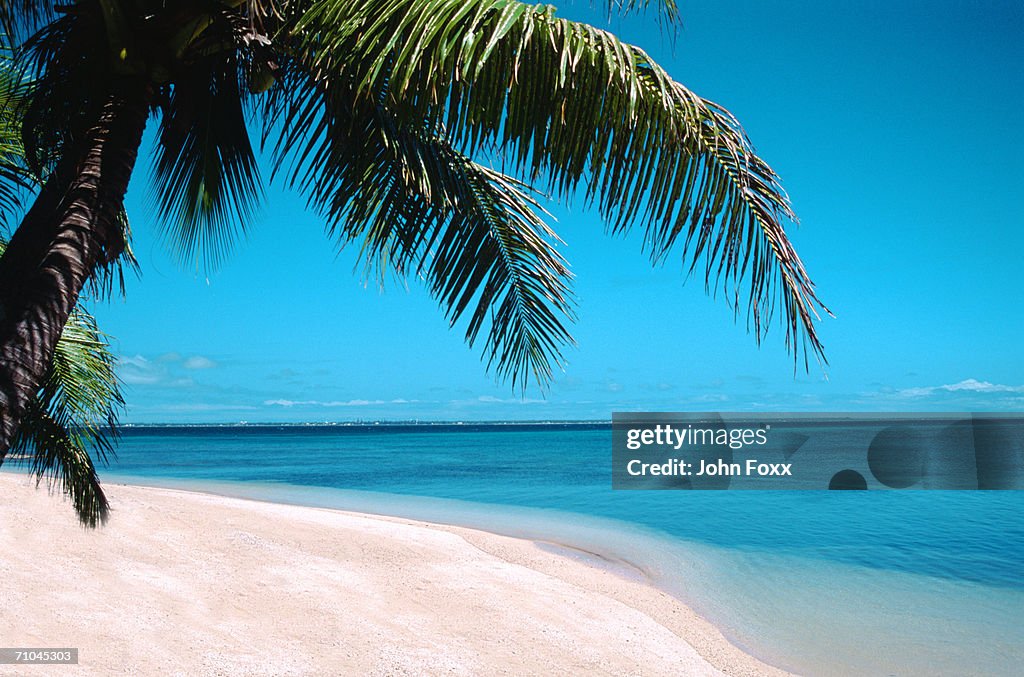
{"x": 895, "y": 127}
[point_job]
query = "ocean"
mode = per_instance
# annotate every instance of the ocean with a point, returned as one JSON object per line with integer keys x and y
{"x": 817, "y": 582}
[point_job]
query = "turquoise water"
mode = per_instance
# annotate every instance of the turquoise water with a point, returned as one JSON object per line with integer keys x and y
{"x": 877, "y": 582}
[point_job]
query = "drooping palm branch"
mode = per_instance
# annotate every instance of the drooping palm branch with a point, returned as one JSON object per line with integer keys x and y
{"x": 575, "y": 109}
{"x": 14, "y": 176}
{"x": 419, "y": 207}
{"x": 29, "y": 109}
{"x": 73, "y": 418}
{"x": 558, "y": 103}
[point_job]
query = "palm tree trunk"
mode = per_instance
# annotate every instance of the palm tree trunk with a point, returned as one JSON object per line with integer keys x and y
{"x": 70, "y": 230}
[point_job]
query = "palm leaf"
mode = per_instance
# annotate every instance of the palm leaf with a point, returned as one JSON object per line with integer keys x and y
{"x": 46, "y": 96}
{"x": 205, "y": 176}
{"x": 15, "y": 178}
{"x": 419, "y": 207}
{"x": 20, "y": 18}
{"x": 668, "y": 10}
{"x": 573, "y": 107}
{"x": 61, "y": 65}
{"x": 110, "y": 275}
{"x": 72, "y": 418}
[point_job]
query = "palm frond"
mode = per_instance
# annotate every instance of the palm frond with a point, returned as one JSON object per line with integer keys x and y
{"x": 59, "y": 456}
{"x": 48, "y": 100}
{"x": 419, "y": 207}
{"x": 668, "y": 10}
{"x": 572, "y": 106}
{"x": 72, "y": 418}
{"x": 21, "y": 18}
{"x": 62, "y": 65}
{"x": 489, "y": 240}
{"x": 110, "y": 275}
{"x": 206, "y": 179}
{"x": 15, "y": 178}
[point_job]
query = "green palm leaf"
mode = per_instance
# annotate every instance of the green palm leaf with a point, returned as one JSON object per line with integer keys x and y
{"x": 19, "y": 18}
{"x": 73, "y": 417}
{"x": 575, "y": 108}
{"x": 46, "y": 95}
{"x": 206, "y": 180}
{"x": 14, "y": 175}
{"x": 419, "y": 207}
{"x": 667, "y": 9}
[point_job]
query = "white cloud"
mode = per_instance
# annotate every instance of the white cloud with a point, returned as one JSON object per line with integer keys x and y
{"x": 970, "y": 385}
{"x": 138, "y": 361}
{"x": 983, "y": 387}
{"x": 138, "y": 370}
{"x": 199, "y": 362}
{"x": 164, "y": 371}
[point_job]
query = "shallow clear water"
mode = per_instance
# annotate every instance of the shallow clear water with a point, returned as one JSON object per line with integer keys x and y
{"x": 877, "y": 582}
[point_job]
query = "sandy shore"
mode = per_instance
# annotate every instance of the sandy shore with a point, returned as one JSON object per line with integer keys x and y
{"x": 196, "y": 584}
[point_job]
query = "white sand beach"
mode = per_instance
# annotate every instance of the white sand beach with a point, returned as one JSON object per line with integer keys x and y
{"x": 195, "y": 584}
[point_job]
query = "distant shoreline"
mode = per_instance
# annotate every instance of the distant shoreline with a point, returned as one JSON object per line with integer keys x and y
{"x": 796, "y": 418}
{"x": 377, "y": 424}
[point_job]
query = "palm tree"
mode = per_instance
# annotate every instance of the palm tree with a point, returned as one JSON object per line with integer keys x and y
{"x": 74, "y": 413}
{"x": 391, "y": 116}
